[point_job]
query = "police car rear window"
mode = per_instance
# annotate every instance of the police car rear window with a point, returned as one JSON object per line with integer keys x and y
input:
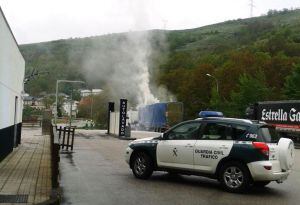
{"x": 239, "y": 132}
{"x": 216, "y": 131}
{"x": 269, "y": 134}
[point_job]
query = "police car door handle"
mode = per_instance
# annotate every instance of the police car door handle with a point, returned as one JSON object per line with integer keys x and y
{"x": 223, "y": 147}
{"x": 188, "y": 145}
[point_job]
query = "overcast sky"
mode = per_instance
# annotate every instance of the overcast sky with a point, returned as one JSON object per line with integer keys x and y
{"x": 44, "y": 20}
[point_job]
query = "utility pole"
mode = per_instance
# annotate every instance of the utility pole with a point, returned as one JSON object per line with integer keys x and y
{"x": 251, "y": 7}
{"x": 34, "y": 74}
{"x": 165, "y": 24}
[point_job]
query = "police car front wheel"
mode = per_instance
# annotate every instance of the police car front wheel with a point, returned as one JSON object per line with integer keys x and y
{"x": 142, "y": 166}
{"x": 234, "y": 177}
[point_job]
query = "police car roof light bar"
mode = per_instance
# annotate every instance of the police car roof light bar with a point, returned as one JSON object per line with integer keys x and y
{"x": 204, "y": 114}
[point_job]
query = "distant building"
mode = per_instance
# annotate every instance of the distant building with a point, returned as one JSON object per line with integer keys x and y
{"x": 33, "y": 102}
{"x": 67, "y": 108}
{"x": 28, "y": 100}
{"x": 85, "y": 93}
{"x": 12, "y": 69}
{"x": 62, "y": 95}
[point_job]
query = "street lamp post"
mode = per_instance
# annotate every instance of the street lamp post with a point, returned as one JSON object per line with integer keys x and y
{"x": 56, "y": 98}
{"x": 217, "y": 83}
{"x": 92, "y": 101}
{"x": 71, "y": 112}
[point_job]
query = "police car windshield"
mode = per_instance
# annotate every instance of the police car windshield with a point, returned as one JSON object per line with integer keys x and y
{"x": 269, "y": 134}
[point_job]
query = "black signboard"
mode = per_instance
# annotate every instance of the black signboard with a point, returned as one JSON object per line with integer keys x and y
{"x": 280, "y": 112}
{"x": 123, "y": 112}
{"x": 111, "y": 106}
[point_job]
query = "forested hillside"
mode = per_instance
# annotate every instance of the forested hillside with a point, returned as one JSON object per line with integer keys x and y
{"x": 251, "y": 59}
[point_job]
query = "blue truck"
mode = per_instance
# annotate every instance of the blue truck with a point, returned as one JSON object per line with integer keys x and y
{"x": 160, "y": 116}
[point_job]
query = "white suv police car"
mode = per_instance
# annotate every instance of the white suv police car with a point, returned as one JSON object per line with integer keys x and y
{"x": 237, "y": 152}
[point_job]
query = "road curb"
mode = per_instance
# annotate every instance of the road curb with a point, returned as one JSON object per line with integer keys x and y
{"x": 55, "y": 198}
{"x": 121, "y": 138}
{"x": 127, "y": 138}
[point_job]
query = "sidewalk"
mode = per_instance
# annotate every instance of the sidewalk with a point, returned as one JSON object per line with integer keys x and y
{"x": 26, "y": 172}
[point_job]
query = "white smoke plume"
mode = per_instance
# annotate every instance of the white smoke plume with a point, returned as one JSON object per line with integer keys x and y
{"x": 121, "y": 61}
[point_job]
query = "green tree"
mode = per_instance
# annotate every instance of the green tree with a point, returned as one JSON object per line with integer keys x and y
{"x": 292, "y": 84}
{"x": 99, "y": 111}
{"x": 30, "y": 113}
{"x": 250, "y": 90}
{"x": 48, "y": 101}
{"x": 194, "y": 90}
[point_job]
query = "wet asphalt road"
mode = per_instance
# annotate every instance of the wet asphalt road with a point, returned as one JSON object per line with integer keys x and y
{"x": 96, "y": 173}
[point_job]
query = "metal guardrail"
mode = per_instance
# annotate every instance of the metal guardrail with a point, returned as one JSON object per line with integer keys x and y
{"x": 66, "y": 137}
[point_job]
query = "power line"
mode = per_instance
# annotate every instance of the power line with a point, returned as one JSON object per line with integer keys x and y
{"x": 164, "y": 23}
{"x": 34, "y": 74}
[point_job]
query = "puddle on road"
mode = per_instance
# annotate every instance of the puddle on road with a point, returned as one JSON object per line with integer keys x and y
{"x": 69, "y": 156}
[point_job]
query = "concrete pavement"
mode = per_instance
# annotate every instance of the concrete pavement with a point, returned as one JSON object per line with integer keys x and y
{"x": 96, "y": 173}
{"x": 26, "y": 172}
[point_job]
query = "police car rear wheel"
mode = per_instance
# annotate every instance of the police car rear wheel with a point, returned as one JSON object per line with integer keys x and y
{"x": 142, "y": 166}
{"x": 234, "y": 177}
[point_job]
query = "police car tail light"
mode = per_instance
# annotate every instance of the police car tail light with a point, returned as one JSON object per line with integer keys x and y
{"x": 268, "y": 167}
{"x": 262, "y": 147}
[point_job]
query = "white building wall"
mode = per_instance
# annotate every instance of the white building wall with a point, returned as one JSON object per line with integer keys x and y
{"x": 12, "y": 69}
{"x": 66, "y": 107}
{"x": 114, "y": 123}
